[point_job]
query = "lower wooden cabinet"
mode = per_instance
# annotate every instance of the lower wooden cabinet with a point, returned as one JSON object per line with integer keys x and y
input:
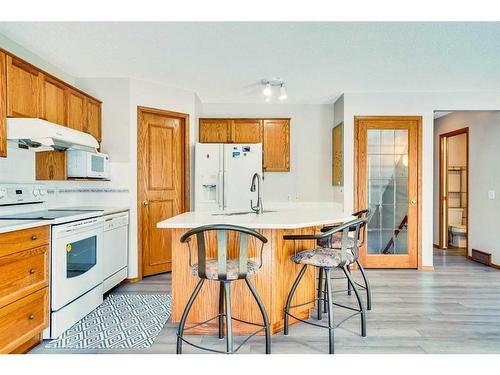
{"x": 24, "y": 294}
{"x": 274, "y": 134}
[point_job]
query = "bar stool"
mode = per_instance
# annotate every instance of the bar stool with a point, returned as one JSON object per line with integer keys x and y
{"x": 334, "y": 242}
{"x": 224, "y": 270}
{"x": 327, "y": 259}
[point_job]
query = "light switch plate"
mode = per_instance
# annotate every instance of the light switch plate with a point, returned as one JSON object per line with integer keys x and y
{"x": 491, "y": 194}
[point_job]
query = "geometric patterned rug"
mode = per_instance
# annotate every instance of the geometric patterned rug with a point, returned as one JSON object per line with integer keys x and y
{"x": 122, "y": 321}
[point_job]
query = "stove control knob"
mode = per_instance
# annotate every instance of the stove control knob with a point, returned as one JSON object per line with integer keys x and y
{"x": 3, "y": 193}
{"x": 43, "y": 191}
{"x": 36, "y": 192}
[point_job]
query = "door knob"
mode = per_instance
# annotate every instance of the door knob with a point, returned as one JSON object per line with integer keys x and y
{"x": 145, "y": 203}
{"x": 413, "y": 202}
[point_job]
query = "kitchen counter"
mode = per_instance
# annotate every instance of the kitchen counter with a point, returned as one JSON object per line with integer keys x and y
{"x": 273, "y": 281}
{"x": 13, "y": 225}
{"x": 285, "y": 218}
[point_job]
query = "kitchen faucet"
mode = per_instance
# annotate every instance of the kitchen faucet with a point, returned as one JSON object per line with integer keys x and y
{"x": 258, "y": 208}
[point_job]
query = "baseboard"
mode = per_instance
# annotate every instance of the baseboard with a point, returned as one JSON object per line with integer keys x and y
{"x": 492, "y": 265}
{"x": 436, "y": 246}
{"x": 131, "y": 281}
{"x": 426, "y": 268}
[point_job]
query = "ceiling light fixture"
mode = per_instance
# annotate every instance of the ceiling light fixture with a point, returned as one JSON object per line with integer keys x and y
{"x": 283, "y": 94}
{"x": 268, "y": 88}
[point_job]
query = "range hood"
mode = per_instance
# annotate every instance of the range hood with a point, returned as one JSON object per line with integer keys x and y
{"x": 41, "y": 135}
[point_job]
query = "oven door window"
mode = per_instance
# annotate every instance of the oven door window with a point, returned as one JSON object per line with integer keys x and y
{"x": 81, "y": 256}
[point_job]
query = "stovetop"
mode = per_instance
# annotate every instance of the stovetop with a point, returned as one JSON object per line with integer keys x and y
{"x": 59, "y": 215}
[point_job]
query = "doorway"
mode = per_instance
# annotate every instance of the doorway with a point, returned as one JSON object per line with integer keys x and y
{"x": 388, "y": 154}
{"x": 162, "y": 183}
{"x": 453, "y": 190}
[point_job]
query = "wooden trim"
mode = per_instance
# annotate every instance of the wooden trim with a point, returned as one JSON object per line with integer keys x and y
{"x": 35, "y": 68}
{"x": 243, "y": 118}
{"x": 131, "y": 281}
{"x": 436, "y": 246}
{"x": 443, "y": 216}
{"x": 492, "y": 265}
{"x": 3, "y": 104}
{"x": 28, "y": 345}
{"x": 140, "y": 191}
{"x": 426, "y": 268}
{"x": 357, "y": 171}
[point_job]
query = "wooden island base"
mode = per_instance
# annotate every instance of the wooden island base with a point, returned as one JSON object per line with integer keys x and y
{"x": 273, "y": 282}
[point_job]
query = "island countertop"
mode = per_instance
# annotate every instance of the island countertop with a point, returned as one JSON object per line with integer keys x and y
{"x": 283, "y": 218}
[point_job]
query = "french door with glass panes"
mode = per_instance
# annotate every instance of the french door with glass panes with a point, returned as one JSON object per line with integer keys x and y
{"x": 386, "y": 173}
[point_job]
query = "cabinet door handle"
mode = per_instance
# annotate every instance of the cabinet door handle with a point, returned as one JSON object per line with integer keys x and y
{"x": 34, "y": 237}
{"x": 31, "y": 317}
{"x": 145, "y": 203}
{"x": 32, "y": 271}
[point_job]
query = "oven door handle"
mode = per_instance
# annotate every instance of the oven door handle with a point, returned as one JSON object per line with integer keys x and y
{"x": 76, "y": 228}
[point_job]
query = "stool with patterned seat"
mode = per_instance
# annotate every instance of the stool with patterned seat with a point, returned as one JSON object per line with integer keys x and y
{"x": 224, "y": 270}
{"x": 326, "y": 259}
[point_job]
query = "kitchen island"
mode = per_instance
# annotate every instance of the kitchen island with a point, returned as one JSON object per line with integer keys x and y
{"x": 273, "y": 281}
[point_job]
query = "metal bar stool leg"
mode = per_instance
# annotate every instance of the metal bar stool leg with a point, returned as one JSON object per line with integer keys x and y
{"x": 329, "y": 298}
{"x": 320, "y": 293}
{"x": 229, "y": 328}
{"x": 185, "y": 313}
{"x": 325, "y": 302}
{"x": 367, "y": 286}
{"x": 221, "y": 310}
{"x": 349, "y": 289}
{"x": 360, "y": 302}
{"x": 290, "y": 296}
{"x": 264, "y": 314}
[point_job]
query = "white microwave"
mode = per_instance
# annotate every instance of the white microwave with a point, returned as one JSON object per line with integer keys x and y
{"x": 85, "y": 164}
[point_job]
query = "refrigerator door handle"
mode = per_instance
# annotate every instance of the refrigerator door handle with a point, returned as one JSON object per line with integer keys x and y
{"x": 220, "y": 194}
{"x": 225, "y": 195}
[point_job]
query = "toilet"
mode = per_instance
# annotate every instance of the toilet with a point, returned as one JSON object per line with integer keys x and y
{"x": 456, "y": 230}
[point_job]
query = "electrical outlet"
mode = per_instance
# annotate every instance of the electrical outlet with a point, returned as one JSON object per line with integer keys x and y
{"x": 297, "y": 198}
{"x": 491, "y": 194}
{"x": 289, "y": 197}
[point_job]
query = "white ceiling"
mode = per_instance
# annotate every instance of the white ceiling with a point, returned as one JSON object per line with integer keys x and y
{"x": 225, "y": 62}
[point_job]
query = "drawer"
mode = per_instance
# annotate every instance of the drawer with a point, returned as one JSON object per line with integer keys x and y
{"x": 23, "y": 273}
{"x": 23, "y": 319}
{"x": 25, "y": 239}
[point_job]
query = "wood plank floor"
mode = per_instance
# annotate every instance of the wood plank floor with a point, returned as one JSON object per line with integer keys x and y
{"x": 455, "y": 309}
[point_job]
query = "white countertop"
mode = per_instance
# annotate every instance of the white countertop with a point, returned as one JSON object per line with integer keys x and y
{"x": 13, "y": 225}
{"x": 284, "y": 218}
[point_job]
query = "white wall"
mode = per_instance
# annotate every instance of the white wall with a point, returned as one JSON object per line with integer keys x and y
{"x": 484, "y": 175}
{"x": 34, "y": 59}
{"x": 409, "y": 104}
{"x": 310, "y": 149}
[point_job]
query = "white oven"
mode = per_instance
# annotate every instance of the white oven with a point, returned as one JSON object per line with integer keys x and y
{"x": 84, "y": 164}
{"x": 76, "y": 271}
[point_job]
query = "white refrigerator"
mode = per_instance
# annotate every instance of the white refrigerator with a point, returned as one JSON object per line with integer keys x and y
{"x": 223, "y": 175}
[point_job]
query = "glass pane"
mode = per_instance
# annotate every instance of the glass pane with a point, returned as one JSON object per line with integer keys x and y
{"x": 373, "y": 140}
{"x": 81, "y": 256}
{"x": 387, "y": 163}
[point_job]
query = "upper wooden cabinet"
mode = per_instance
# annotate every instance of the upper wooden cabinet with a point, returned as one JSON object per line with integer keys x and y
{"x": 274, "y": 134}
{"x": 23, "y": 89}
{"x": 246, "y": 131}
{"x": 276, "y": 145}
{"x": 54, "y": 101}
{"x": 93, "y": 126}
{"x": 26, "y": 91}
{"x": 77, "y": 111}
{"x": 215, "y": 130}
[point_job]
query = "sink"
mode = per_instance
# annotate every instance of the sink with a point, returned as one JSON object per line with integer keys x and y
{"x": 238, "y": 213}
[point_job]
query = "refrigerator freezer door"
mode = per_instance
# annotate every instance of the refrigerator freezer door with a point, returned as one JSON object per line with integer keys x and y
{"x": 241, "y": 161}
{"x": 208, "y": 177}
